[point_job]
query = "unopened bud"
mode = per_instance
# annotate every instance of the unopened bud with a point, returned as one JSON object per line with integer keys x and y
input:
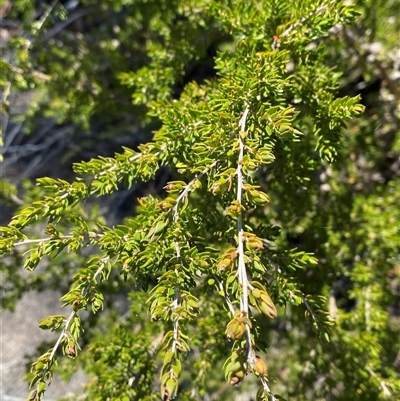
{"x": 71, "y": 350}
{"x": 237, "y": 376}
{"x": 260, "y": 367}
{"x": 169, "y": 389}
{"x": 224, "y": 264}
{"x": 266, "y": 305}
{"x": 236, "y": 328}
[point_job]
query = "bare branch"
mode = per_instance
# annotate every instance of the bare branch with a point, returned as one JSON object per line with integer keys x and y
{"x": 63, "y": 24}
{"x": 368, "y": 51}
{"x": 38, "y": 27}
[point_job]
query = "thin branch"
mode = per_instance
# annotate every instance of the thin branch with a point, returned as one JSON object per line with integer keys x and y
{"x": 16, "y": 200}
{"x": 63, "y": 24}
{"x": 241, "y": 264}
{"x": 367, "y": 51}
{"x": 46, "y": 14}
{"x": 302, "y": 20}
{"x": 227, "y": 300}
{"x": 175, "y": 211}
{"x": 15, "y": 136}
{"x": 116, "y": 166}
{"x": 68, "y": 322}
{"x": 41, "y": 240}
{"x": 242, "y": 273}
{"x": 35, "y": 74}
{"x": 177, "y": 294}
{"x": 10, "y": 24}
{"x": 267, "y": 390}
{"x": 39, "y": 25}
{"x": 103, "y": 261}
{"x": 276, "y": 42}
{"x": 368, "y": 309}
{"x": 188, "y": 187}
{"x": 63, "y": 334}
{"x": 309, "y": 308}
{"x": 383, "y": 385}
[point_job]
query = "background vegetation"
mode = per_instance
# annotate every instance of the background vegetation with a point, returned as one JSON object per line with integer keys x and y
{"x": 221, "y": 195}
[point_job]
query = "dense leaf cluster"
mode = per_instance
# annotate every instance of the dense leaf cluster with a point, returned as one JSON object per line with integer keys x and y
{"x": 240, "y": 264}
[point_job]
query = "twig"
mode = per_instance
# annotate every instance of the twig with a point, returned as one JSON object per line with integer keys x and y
{"x": 227, "y": 300}
{"x": 115, "y": 166}
{"x": 242, "y": 273}
{"x": 46, "y": 15}
{"x": 383, "y": 385}
{"x": 39, "y": 25}
{"x": 365, "y": 50}
{"x": 9, "y": 24}
{"x": 16, "y": 200}
{"x": 41, "y": 240}
{"x": 309, "y": 308}
{"x": 276, "y": 42}
{"x": 68, "y": 322}
{"x": 241, "y": 264}
{"x": 185, "y": 192}
{"x": 175, "y": 211}
{"x": 74, "y": 313}
{"x": 368, "y": 309}
{"x": 63, "y": 333}
{"x": 14, "y": 139}
{"x": 63, "y": 24}
{"x": 35, "y": 74}
{"x": 267, "y": 389}
{"x": 302, "y": 20}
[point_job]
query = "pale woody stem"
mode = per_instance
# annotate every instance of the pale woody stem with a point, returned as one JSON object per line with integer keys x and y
{"x": 241, "y": 264}
{"x": 242, "y": 273}
{"x": 71, "y": 317}
{"x": 175, "y": 209}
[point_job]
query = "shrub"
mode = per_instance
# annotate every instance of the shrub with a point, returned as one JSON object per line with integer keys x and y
{"x": 240, "y": 264}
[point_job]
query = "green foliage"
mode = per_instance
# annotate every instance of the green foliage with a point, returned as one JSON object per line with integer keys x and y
{"x": 235, "y": 263}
